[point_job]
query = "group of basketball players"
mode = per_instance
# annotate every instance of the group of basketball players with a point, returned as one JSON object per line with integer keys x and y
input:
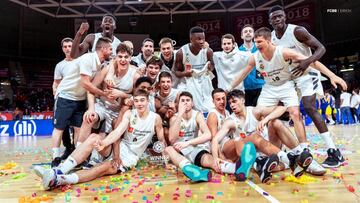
{"x": 115, "y": 103}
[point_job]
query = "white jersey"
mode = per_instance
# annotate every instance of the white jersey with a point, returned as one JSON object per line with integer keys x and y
{"x": 237, "y": 133}
{"x": 289, "y": 40}
{"x": 220, "y": 118}
{"x": 115, "y": 43}
{"x": 61, "y": 70}
{"x": 139, "y": 133}
{"x": 169, "y": 98}
{"x": 141, "y": 63}
{"x": 199, "y": 86}
{"x": 188, "y": 131}
{"x": 276, "y": 71}
{"x": 125, "y": 84}
{"x": 251, "y": 123}
{"x": 227, "y": 65}
{"x": 70, "y": 86}
{"x": 169, "y": 68}
{"x": 152, "y": 102}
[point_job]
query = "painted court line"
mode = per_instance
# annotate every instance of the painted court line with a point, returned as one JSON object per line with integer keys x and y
{"x": 262, "y": 192}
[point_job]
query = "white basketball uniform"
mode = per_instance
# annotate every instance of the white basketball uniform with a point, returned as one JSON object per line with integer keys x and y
{"x": 188, "y": 131}
{"x": 278, "y": 84}
{"x": 169, "y": 98}
{"x": 199, "y": 86}
{"x": 237, "y": 134}
{"x": 115, "y": 43}
{"x": 309, "y": 83}
{"x": 220, "y": 118}
{"x": 136, "y": 138}
{"x": 227, "y": 65}
{"x": 108, "y": 111}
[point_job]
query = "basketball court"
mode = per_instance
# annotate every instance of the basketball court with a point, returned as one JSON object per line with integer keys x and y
{"x": 149, "y": 183}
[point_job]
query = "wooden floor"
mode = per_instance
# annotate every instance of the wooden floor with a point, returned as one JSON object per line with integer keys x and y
{"x": 150, "y": 184}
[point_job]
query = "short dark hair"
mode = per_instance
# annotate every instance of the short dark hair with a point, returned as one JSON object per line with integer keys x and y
{"x": 123, "y": 47}
{"x": 217, "y": 90}
{"x": 275, "y": 8}
{"x": 109, "y": 15}
{"x": 228, "y": 36}
{"x": 165, "y": 74}
{"x": 141, "y": 93}
{"x": 154, "y": 60}
{"x": 66, "y": 39}
{"x": 263, "y": 32}
{"x": 247, "y": 25}
{"x": 186, "y": 94}
{"x": 101, "y": 42}
{"x": 196, "y": 29}
{"x": 235, "y": 94}
{"x": 147, "y": 40}
{"x": 141, "y": 80}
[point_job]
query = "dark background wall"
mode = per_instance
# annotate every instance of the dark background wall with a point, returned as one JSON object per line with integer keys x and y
{"x": 26, "y": 34}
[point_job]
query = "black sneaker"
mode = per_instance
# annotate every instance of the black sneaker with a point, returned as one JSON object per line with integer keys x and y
{"x": 67, "y": 153}
{"x": 265, "y": 166}
{"x": 299, "y": 163}
{"x": 56, "y": 162}
{"x": 334, "y": 159}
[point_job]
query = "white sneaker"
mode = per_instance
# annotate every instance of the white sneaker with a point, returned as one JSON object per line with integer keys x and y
{"x": 49, "y": 179}
{"x": 332, "y": 122}
{"x": 316, "y": 169}
{"x": 39, "y": 171}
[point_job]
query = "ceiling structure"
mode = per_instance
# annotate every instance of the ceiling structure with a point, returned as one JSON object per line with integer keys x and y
{"x": 97, "y": 8}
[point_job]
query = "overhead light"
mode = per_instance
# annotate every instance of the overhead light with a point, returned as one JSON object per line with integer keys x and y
{"x": 346, "y": 70}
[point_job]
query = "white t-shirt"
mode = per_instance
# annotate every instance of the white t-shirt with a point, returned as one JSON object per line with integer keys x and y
{"x": 228, "y": 65}
{"x": 60, "y": 70}
{"x": 345, "y": 96}
{"x": 355, "y": 100}
{"x": 70, "y": 86}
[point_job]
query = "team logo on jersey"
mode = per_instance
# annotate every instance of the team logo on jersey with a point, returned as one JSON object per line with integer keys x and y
{"x": 130, "y": 129}
{"x": 292, "y": 47}
{"x": 261, "y": 66}
{"x": 182, "y": 130}
{"x": 133, "y": 120}
{"x": 135, "y": 139}
{"x": 264, "y": 74}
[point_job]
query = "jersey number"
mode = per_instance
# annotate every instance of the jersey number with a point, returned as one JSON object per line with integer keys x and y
{"x": 276, "y": 78}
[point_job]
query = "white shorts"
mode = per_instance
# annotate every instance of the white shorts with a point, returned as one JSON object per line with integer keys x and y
{"x": 191, "y": 152}
{"x": 310, "y": 84}
{"x": 128, "y": 159}
{"x": 106, "y": 114}
{"x": 271, "y": 95}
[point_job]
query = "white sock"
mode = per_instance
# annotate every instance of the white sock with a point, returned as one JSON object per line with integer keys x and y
{"x": 283, "y": 157}
{"x": 56, "y": 152}
{"x": 328, "y": 141}
{"x": 77, "y": 144}
{"x": 304, "y": 145}
{"x": 68, "y": 164}
{"x": 183, "y": 163}
{"x": 227, "y": 167}
{"x": 72, "y": 178}
{"x": 297, "y": 150}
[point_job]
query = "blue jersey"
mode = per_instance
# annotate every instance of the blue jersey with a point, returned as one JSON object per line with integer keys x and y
{"x": 254, "y": 80}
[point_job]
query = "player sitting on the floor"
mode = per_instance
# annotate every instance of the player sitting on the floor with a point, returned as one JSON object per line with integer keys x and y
{"x": 241, "y": 127}
{"x": 137, "y": 127}
{"x": 190, "y": 135}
